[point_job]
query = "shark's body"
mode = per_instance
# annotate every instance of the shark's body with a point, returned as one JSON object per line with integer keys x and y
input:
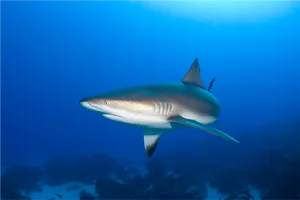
{"x": 162, "y": 108}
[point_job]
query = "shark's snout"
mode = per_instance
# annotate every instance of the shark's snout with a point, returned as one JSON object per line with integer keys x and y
{"x": 87, "y": 104}
{"x": 83, "y": 102}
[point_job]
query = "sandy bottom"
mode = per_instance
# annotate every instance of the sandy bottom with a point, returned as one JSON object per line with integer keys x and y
{"x": 49, "y": 192}
{"x": 214, "y": 195}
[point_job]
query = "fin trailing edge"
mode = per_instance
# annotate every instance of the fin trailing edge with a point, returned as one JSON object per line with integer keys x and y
{"x": 206, "y": 128}
{"x": 151, "y": 139}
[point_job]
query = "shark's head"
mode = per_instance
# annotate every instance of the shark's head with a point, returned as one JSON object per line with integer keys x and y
{"x": 117, "y": 106}
{"x": 96, "y": 104}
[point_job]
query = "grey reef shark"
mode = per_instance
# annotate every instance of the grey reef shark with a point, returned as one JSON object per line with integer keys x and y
{"x": 162, "y": 108}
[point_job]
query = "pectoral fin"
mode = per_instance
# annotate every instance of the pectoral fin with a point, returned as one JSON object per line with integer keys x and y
{"x": 209, "y": 129}
{"x": 151, "y": 139}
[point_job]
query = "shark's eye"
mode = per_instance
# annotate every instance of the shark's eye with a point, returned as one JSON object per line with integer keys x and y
{"x": 105, "y": 103}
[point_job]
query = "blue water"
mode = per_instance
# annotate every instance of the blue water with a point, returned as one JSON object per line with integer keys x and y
{"x": 55, "y": 53}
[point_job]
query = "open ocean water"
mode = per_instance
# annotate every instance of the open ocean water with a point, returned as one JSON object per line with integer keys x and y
{"x": 55, "y": 53}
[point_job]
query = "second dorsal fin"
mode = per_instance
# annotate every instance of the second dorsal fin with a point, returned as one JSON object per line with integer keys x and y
{"x": 211, "y": 84}
{"x": 193, "y": 76}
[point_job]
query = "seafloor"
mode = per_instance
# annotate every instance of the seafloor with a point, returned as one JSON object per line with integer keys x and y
{"x": 274, "y": 175}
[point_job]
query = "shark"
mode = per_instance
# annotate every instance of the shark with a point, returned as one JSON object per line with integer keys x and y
{"x": 159, "y": 109}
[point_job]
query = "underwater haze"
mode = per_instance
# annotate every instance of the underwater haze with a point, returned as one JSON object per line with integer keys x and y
{"x": 53, "y": 54}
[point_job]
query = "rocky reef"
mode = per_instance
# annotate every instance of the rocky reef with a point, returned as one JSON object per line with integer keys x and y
{"x": 275, "y": 174}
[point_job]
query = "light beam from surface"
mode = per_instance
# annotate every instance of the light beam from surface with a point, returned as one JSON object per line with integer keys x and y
{"x": 224, "y": 10}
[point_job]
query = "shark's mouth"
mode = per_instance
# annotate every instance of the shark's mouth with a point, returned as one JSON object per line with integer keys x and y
{"x": 106, "y": 114}
{"x": 93, "y": 106}
{"x": 116, "y": 118}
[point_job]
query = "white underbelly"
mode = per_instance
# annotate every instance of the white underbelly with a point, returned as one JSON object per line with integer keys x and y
{"x": 142, "y": 120}
{"x": 203, "y": 119}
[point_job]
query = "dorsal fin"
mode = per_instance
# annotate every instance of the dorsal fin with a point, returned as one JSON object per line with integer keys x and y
{"x": 193, "y": 76}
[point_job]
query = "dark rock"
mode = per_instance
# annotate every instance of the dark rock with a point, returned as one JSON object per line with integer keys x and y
{"x": 39, "y": 189}
{"x": 89, "y": 197}
{"x": 110, "y": 189}
{"x": 59, "y": 195}
{"x": 82, "y": 169}
{"x": 86, "y": 196}
{"x": 20, "y": 178}
{"x": 73, "y": 187}
{"x": 229, "y": 180}
{"x": 243, "y": 194}
{"x": 83, "y": 192}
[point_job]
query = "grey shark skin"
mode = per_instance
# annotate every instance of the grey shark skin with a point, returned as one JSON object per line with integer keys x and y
{"x": 161, "y": 108}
